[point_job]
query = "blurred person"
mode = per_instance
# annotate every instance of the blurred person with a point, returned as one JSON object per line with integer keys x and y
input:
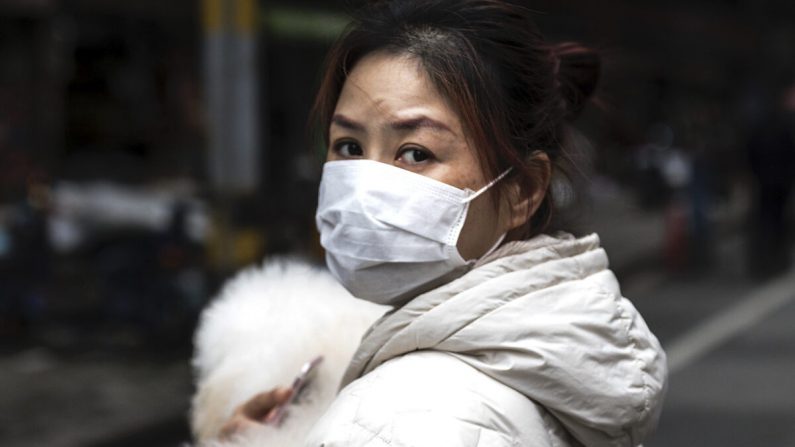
{"x": 25, "y": 270}
{"x": 704, "y": 145}
{"x": 651, "y": 159}
{"x": 771, "y": 152}
{"x": 677, "y": 169}
{"x": 446, "y": 123}
{"x": 665, "y": 173}
{"x": 149, "y": 279}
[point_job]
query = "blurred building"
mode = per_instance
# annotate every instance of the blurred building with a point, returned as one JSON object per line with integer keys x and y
{"x": 118, "y": 90}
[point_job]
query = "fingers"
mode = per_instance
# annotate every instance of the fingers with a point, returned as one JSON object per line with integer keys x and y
{"x": 258, "y": 407}
{"x": 237, "y": 424}
{"x": 255, "y": 411}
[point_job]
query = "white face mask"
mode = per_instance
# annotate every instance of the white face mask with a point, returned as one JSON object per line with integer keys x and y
{"x": 389, "y": 232}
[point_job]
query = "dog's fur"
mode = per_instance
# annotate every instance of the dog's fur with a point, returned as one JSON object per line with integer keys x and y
{"x": 264, "y": 325}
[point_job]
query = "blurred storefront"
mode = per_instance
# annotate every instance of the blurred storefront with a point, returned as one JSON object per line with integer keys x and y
{"x": 129, "y": 190}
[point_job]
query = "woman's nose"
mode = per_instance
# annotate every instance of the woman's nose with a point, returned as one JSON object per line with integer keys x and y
{"x": 380, "y": 154}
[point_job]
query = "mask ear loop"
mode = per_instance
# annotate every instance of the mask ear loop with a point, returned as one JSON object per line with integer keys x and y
{"x": 489, "y": 185}
{"x": 495, "y": 246}
{"x": 466, "y": 207}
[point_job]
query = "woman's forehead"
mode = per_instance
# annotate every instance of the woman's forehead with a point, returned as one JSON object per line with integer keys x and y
{"x": 393, "y": 90}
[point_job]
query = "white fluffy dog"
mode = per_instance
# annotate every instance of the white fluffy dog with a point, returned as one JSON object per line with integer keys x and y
{"x": 265, "y": 324}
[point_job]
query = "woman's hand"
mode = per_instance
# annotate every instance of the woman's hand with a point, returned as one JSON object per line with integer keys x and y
{"x": 254, "y": 412}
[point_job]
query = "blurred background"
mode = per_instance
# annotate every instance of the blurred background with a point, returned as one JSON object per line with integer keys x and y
{"x": 150, "y": 149}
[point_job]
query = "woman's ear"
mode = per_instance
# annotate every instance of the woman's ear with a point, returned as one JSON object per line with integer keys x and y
{"x": 543, "y": 167}
{"x": 523, "y": 207}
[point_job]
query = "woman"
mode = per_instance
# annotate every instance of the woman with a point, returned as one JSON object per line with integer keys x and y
{"x": 446, "y": 124}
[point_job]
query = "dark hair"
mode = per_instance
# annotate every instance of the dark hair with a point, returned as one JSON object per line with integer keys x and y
{"x": 512, "y": 91}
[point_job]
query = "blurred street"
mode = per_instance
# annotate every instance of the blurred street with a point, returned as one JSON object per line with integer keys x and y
{"x": 737, "y": 391}
{"x": 729, "y": 339}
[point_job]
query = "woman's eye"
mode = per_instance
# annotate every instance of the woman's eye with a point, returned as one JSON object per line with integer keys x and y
{"x": 348, "y": 149}
{"x": 414, "y": 156}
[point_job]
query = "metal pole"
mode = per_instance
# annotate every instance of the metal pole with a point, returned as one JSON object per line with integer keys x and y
{"x": 232, "y": 95}
{"x": 234, "y": 166}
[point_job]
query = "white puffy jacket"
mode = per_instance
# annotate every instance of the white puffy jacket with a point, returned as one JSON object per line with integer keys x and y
{"x": 534, "y": 347}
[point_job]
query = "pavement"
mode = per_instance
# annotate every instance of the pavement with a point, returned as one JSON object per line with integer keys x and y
{"x": 51, "y": 400}
{"x": 729, "y": 339}
{"x": 730, "y": 342}
{"x": 730, "y": 345}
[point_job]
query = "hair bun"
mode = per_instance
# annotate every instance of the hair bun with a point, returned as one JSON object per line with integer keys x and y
{"x": 577, "y": 72}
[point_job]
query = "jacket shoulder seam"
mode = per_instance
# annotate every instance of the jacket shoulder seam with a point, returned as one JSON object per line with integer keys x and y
{"x": 633, "y": 343}
{"x": 375, "y": 434}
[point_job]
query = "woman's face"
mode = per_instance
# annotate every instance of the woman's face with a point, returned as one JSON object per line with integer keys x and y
{"x": 389, "y": 111}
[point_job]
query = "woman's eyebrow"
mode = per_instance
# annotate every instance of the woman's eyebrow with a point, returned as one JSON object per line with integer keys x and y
{"x": 347, "y": 123}
{"x": 419, "y": 122}
{"x": 409, "y": 124}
